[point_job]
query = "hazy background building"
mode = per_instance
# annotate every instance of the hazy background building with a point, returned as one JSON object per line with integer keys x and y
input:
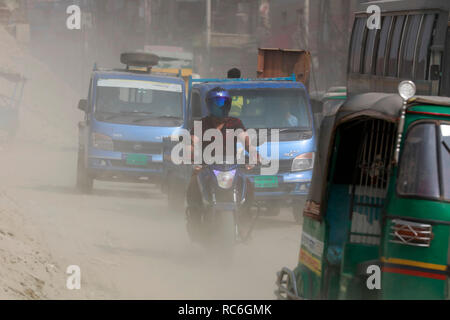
{"x": 227, "y": 35}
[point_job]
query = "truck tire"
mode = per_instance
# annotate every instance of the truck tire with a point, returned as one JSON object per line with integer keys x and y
{"x": 163, "y": 186}
{"x": 85, "y": 182}
{"x": 139, "y": 59}
{"x": 297, "y": 211}
{"x": 175, "y": 198}
{"x": 273, "y": 210}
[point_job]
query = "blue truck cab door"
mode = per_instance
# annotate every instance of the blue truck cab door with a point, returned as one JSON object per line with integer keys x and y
{"x": 83, "y": 126}
{"x": 194, "y": 113}
{"x": 84, "y": 180}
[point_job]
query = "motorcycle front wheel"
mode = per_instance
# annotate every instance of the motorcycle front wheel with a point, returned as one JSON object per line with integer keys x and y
{"x": 226, "y": 228}
{"x": 221, "y": 241}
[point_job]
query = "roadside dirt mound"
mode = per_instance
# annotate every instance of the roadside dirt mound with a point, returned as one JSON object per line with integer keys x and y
{"x": 26, "y": 269}
{"x": 48, "y": 117}
{"x": 49, "y": 111}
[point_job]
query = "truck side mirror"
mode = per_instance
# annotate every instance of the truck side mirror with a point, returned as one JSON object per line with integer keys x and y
{"x": 82, "y": 105}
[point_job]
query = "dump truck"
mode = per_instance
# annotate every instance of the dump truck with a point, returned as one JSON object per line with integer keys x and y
{"x": 284, "y": 63}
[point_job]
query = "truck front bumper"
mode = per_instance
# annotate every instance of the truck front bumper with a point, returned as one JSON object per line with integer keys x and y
{"x": 292, "y": 187}
{"x": 112, "y": 166}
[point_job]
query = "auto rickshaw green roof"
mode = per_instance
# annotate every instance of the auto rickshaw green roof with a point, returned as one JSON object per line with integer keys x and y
{"x": 373, "y": 104}
{"x": 385, "y": 106}
{"x": 430, "y": 100}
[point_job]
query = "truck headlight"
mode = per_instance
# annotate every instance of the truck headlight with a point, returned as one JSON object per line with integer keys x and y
{"x": 102, "y": 142}
{"x": 225, "y": 178}
{"x": 303, "y": 162}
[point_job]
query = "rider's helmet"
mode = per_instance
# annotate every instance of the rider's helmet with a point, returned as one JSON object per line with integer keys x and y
{"x": 218, "y": 102}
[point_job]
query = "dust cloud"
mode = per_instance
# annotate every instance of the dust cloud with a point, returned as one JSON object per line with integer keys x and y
{"x": 125, "y": 240}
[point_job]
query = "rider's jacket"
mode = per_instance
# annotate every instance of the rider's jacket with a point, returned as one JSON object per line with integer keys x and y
{"x": 228, "y": 131}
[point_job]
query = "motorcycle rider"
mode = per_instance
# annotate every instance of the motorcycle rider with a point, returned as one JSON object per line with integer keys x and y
{"x": 234, "y": 73}
{"x": 218, "y": 102}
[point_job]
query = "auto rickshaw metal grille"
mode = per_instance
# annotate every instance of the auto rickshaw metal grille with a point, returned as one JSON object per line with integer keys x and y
{"x": 411, "y": 233}
{"x": 371, "y": 180}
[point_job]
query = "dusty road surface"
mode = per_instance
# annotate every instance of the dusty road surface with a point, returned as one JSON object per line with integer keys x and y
{"x": 125, "y": 241}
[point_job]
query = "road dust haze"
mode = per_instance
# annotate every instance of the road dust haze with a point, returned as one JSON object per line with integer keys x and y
{"x": 123, "y": 237}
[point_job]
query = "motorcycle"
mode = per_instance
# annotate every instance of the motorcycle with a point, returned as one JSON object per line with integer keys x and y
{"x": 226, "y": 195}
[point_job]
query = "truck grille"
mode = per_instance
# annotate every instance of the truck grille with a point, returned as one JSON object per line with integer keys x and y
{"x": 285, "y": 166}
{"x": 137, "y": 147}
{"x": 124, "y": 164}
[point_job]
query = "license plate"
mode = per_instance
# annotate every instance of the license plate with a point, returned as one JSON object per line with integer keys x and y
{"x": 266, "y": 182}
{"x": 137, "y": 159}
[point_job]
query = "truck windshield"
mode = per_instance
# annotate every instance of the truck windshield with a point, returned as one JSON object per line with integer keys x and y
{"x": 425, "y": 163}
{"x": 122, "y": 98}
{"x": 271, "y": 108}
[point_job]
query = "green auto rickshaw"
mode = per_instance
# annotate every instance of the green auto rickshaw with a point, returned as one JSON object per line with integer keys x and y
{"x": 377, "y": 220}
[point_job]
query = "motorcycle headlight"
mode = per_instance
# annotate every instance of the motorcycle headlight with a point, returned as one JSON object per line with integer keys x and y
{"x": 225, "y": 178}
{"x": 102, "y": 142}
{"x": 303, "y": 162}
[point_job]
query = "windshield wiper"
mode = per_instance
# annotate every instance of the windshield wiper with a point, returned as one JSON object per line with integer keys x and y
{"x": 126, "y": 113}
{"x": 289, "y": 130}
{"x": 157, "y": 117}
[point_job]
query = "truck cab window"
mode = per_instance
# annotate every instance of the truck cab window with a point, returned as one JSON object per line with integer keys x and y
{"x": 423, "y": 47}
{"x": 356, "y": 50}
{"x": 409, "y": 46}
{"x": 445, "y": 89}
{"x": 382, "y": 47}
{"x": 370, "y": 53}
{"x": 395, "y": 47}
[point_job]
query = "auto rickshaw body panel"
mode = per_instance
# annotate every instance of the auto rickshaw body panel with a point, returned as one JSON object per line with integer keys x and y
{"x": 415, "y": 250}
{"x": 352, "y": 225}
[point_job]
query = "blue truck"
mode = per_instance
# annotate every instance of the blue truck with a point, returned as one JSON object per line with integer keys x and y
{"x": 276, "y": 103}
{"x": 128, "y": 112}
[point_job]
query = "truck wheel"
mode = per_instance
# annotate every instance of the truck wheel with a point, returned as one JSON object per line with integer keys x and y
{"x": 297, "y": 211}
{"x": 273, "y": 210}
{"x": 12, "y": 134}
{"x": 175, "y": 198}
{"x": 163, "y": 186}
{"x": 85, "y": 182}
